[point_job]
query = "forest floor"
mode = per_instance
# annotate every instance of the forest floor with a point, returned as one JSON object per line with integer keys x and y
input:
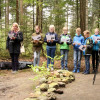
{"x": 19, "y": 86}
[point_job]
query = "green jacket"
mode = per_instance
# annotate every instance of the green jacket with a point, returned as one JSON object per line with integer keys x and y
{"x": 65, "y": 45}
{"x": 38, "y": 46}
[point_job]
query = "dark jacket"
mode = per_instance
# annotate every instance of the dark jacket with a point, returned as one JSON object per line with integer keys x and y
{"x": 38, "y": 46}
{"x": 14, "y": 45}
{"x": 51, "y": 43}
{"x": 89, "y": 45}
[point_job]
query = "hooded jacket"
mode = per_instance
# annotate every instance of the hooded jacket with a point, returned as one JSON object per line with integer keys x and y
{"x": 78, "y": 39}
{"x": 96, "y": 46}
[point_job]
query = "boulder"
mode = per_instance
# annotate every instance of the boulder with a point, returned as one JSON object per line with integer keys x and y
{"x": 61, "y": 84}
{"x": 53, "y": 85}
{"x": 51, "y": 96}
{"x": 43, "y": 80}
{"x": 65, "y": 80}
{"x": 59, "y": 91}
{"x": 51, "y": 90}
{"x": 44, "y": 87}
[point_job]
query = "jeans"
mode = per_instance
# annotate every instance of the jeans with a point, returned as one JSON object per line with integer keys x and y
{"x": 50, "y": 53}
{"x": 64, "y": 59}
{"x": 77, "y": 59}
{"x": 95, "y": 59}
{"x": 36, "y": 58}
{"x": 15, "y": 63}
{"x": 87, "y": 63}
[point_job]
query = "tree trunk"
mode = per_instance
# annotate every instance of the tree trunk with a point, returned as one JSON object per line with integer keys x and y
{"x": 17, "y": 11}
{"x": 7, "y": 16}
{"x": 41, "y": 13}
{"x": 87, "y": 14}
{"x": 33, "y": 17}
{"x": 77, "y": 12}
{"x": 0, "y": 9}
{"x": 37, "y": 12}
{"x": 21, "y": 13}
{"x": 99, "y": 17}
{"x": 83, "y": 15}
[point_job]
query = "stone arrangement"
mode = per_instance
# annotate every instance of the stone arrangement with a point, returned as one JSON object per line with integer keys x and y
{"x": 52, "y": 84}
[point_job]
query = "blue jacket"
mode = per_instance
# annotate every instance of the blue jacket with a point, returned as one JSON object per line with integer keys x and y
{"x": 51, "y": 43}
{"x": 95, "y": 46}
{"x": 78, "y": 39}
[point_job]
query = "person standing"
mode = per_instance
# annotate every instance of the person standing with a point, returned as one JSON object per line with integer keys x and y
{"x": 37, "y": 45}
{"x": 51, "y": 46}
{"x": 78, "y": 40}
{"x": 13, "y": 44}
{"x": 95, "y": 51}
{"x": 88, "y": 44}
{"x": 64, "y": 47}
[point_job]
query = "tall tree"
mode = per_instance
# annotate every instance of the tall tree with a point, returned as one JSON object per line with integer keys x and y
{"x": 39, "y": 11}
{"x": 17, "y": 11}
{"x": 7, "y": 15}
{"x": 0, "y": 9}
{"x": 86, "y": 14}
{"x": 83, "y": 15}
{"x": 21, "y": 13}
{"x": 77, "y": 12}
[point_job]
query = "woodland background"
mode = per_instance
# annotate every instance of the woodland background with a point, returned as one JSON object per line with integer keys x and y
{"x": 28, "y": 13}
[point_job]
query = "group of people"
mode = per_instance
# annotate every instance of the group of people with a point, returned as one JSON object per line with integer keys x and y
{"x": 87, "y": 45}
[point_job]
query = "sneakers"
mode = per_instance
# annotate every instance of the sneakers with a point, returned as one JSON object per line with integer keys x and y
{"x": 52, "y": 69}
{"x": 14, "y": 72}
{"x": 74, "y": 71}
{"x": 48, "y": 69}
{"x": 86, "y": 73}
{"x": 37, "y": 69}
{"x": 78, "y": 70}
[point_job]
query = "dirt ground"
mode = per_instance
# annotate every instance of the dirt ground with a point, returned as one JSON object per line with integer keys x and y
{"x": 19, "y": 86}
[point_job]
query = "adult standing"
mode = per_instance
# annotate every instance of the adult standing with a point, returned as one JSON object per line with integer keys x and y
{"x": 13, "y": 44}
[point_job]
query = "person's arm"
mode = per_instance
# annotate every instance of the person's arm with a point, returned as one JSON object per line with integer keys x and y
{"x": 41, "y": 40}
{"x": 70, "y": 42}
{"x": 82, "y": 41}
{"x": 56, "y": 38}
{"x": 60, "y": 40}
{"x": 19, "y": 37}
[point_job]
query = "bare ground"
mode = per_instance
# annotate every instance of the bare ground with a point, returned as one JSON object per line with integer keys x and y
{"x": 19, "y": 86}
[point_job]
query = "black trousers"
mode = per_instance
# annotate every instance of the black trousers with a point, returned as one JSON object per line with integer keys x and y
{"x": 95, "y": 59}
{"x": 15, "y": 63}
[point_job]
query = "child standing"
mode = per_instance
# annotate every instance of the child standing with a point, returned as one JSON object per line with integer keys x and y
{"x": 88, "y": 44}
{"x": 37, "y": 45}
{"x": 95, "y": 51}
{"x": 78, "y": 40}
{"x": 51, "y": 46}
{"x": 65, "y": 40}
